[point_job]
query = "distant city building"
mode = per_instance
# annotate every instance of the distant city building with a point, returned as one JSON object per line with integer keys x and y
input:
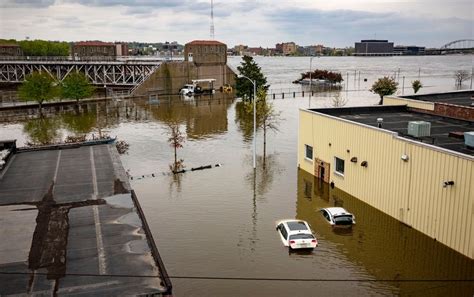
{"x": 93, "y": 49}
{"x": 279, "y": 48}
{"x": 254, "y": 51}
{"x": 409, "y": 50}
{"x": 288, "y": 48}
{"x": 10, "y": 50}
{"x": 121, "y": 49}
{"x": 373, "y": 47}
{"x": 240, "y": 49}
{"x": 206, "y": 52}
{"x": 270, "y": 51}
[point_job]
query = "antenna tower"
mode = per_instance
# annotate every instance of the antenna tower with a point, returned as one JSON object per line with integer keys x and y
{"x": 212, "y": 19}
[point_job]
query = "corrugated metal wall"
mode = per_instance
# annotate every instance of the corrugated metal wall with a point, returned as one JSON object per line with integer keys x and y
{"x": 411, "y": 191}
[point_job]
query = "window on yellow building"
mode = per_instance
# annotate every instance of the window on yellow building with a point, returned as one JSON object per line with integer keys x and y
{"x": 308, "y": 152}
{"x": 339, "y": 165}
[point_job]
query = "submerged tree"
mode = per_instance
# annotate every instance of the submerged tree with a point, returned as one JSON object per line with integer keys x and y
{"x": 76, "y": 86}
{"x": 460, "y": 76}
{"x": 267, "y": 117}
{"x": 384, "y": 86}
{"x": 416, "y": 85}
{"x": 40, "y": 87}
{"x": 250, "y": 69}
{"x": 339, "y": 101}
{"x": 176, "y": 141}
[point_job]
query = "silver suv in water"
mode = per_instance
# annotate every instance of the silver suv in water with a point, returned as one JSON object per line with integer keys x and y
{"x": 338, "y": 216}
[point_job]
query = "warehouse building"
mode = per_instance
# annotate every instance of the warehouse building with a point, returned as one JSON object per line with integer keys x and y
{"x": 405, "y": 160}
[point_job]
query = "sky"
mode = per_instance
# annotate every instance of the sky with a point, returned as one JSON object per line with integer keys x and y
{"x": 333, "y": 23}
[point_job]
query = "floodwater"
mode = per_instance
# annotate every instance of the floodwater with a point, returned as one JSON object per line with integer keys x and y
{"x": 220, "y": 222}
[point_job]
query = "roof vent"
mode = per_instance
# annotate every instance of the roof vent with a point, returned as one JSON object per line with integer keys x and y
{"x": 469, "y": 139}
{"x": 419, "y": 128}
{"x": 379, "y": 122}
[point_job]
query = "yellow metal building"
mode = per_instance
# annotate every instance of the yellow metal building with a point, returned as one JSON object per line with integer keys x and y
{"x": 427, "y": 186}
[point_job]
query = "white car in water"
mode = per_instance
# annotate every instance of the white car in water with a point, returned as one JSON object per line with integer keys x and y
{"x": 338, "y": 216}
{"x": 296, "y": 234}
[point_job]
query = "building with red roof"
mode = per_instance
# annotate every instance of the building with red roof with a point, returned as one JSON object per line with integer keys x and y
{"x": 93, "y": 49}
{"x": 10, "y": 49}
{"x": 206, "y": 52}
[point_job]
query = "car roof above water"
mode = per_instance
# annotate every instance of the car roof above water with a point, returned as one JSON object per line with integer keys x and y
{"x": 296, "y": 225}
{"x": 335, "y": 211}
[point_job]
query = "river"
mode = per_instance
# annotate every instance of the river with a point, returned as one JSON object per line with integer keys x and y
{"x": 220, "y": 222}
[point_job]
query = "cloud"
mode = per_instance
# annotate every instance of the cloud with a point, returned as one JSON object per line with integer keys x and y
{"x": 346, "y": 26}
{"x": 26, "y": 3}
{"x": 252, "y": 22}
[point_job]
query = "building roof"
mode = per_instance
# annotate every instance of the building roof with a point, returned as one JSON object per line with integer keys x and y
{"x": 93, "y": 43}
{"x": 205, "y": 42}
{"x": 57, "y": 230}
{"x": 396, "y": 118}
{"x": 464, "y": 98}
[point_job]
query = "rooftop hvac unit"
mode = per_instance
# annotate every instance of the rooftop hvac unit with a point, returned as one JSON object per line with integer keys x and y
{"x": 419, "y": 128}
{"x": 469, "y": 139}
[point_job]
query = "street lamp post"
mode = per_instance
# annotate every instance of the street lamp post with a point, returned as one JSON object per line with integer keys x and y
{"x": 254, "y": 82}
{"x": 310, "y": 81}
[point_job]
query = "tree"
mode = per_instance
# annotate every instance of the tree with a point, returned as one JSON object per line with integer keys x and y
{"x": 38, "y": 86}
{"x": 176, "y": 141}
{"x": 267, "y": 117}
{"x": 339, "y": 101}
{"x": 76, "y": 86}
{"x": 250, "y": 69}
{"x": 44, "y": 48}
{"x": 460, "y": 76}
{"x": 384, "y": 86}
{"x": 416, "y": 85}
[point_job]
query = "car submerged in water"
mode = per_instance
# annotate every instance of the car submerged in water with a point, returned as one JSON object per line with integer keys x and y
{"x": 296, "y": 234}
{"x": 338, "y": 216}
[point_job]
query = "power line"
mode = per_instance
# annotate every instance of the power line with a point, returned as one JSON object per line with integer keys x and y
{"x": 366, "y": 280}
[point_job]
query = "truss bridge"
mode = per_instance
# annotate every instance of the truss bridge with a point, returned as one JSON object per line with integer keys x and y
{"x": 128, "y": 73}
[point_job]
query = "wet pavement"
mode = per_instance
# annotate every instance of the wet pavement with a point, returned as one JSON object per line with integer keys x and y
{"x": 72, "y": 227}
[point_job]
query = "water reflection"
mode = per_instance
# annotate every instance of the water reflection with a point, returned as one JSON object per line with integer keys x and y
{"x": 386, "y": 248}
{"x": 42, "y": 130}
{"x": 244, "y": 121}
{"x": 204, "y": 116}
{"x": 80, "y": 123}
{"x": 265, "y": 172}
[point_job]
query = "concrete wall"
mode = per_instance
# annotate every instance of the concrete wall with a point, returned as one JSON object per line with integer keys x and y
{"x": 412, "y": 191}
{"x": 169, "y": 78}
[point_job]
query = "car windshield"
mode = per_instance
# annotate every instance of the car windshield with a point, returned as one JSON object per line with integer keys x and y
{"x": 301, "y": 236}
{"x": 343, "y": 220}
{"x": 297, "y": 226}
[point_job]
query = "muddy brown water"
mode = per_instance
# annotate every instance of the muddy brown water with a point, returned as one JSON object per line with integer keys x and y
{"x": 220, "y": 222}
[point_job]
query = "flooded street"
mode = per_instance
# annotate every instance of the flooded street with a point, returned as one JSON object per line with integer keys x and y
{"x": 220, "y": 222}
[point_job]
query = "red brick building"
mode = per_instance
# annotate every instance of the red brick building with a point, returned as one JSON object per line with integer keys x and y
{"x": 10, "y": 50}
{"x": 93, "y": 49}
{"x": 206, "y": 52}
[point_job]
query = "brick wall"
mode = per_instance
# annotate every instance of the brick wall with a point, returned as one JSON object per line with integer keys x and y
{"x": 459, "y": 112}
{"x": 454, "y": 111}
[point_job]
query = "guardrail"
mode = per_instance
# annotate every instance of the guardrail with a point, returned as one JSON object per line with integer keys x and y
{"x": 90, "y": 58}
